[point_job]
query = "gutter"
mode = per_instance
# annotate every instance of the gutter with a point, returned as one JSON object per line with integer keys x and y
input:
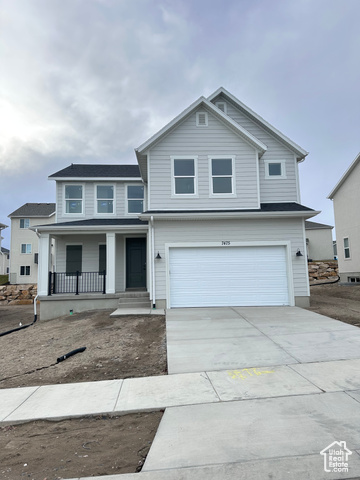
{"x": 152, "y": 260}
{"x": 223, "y": 215}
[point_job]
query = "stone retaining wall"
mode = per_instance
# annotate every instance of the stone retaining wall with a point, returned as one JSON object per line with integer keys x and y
{"x": 17, "y": 294}
{"x": 323, "y": 271}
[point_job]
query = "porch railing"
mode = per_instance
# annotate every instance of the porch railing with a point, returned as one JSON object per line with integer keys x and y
{"x": 77, "y": 282}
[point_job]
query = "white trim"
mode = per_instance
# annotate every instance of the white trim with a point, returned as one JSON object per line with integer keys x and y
{"x": 257, "y": 161}
{"x": 104, "y": 215}
{"x": 25, "y": 253}
{"x": 233, "y": 176}
{"x": 285, "y": 243}
{"x": 305, "y": 250}
{"x": 275, "y": 177}
{"x": 298, "y": 150}
{"x": 74, "y": 184}
{"x": 247, "y": 136}
{"x": 198, "y": 124}
{"x": 344, "y": 177}
{"x": 348, "y": 247}
{"x": 298, "y": 193}
{"x": 235, "y": 213}
{"x": 148, "y": 207}
{"x": 135, "y": 214}
{"x": 184, "y": 157}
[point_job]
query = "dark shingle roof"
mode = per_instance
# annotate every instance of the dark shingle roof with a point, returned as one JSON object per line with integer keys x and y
{"x": 34, "y": 210}
{"x": 99, "y": 222}
{"x": 76, "y": 170}
{"x": 5, "y": 250}
{"x": 315, "y": 225}
{"x": 264, "y": 207}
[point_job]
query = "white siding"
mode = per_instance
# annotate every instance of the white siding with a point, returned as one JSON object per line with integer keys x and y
{"x": 215, "y": 139}
{"x": 248, "y": 231}
{"x": 347, "y": 223}
{"x": 271, "y": 190}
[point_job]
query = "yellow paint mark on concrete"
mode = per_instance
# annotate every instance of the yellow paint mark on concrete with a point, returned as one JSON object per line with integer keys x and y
{"x": 245, "y": 373}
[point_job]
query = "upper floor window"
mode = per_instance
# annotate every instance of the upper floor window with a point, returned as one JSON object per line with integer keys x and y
{"x": 26, "y": 248}
{"x": 74, "y": 199}
{"x": 24, "y": 222}
{"x": 135, "y": 199}
{"x": 184, "y": 175}
{"x": 346, "y": 248}
{"x": 222, "y": 176}
{"x": 275, "y": 169}
{"x": 104, "y": 199}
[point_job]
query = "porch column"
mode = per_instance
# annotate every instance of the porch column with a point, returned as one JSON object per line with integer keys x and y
{"x": 110, "y": 262}
{"x": 43, "y": 263}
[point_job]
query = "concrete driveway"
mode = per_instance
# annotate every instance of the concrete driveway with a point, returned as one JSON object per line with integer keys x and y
{"x": 288, "y": 384}
{"x": 208, "y": 339}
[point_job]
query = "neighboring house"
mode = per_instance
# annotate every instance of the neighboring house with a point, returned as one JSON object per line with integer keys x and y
{"x": 24, "y": 241}
{"x": 319, "y": 242}
{"x": 346, "y": 200}
{"x": 211, "y": 216}
{"x": 4, "y": 254}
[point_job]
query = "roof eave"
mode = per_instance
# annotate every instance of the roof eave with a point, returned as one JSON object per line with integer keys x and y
{"x": 222, "y": 215}
{"x": 86, "y": 228}
{"x": 300, "y": 152}
{"x": 344, "y": 177}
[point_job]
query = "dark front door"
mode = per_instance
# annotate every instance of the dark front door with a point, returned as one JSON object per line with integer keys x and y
{"x": 135, "y": 262}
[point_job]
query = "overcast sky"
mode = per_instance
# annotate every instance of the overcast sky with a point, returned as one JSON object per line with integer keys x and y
{"x": 87, "y": 81}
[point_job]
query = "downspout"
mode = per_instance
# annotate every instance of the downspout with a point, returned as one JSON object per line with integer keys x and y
{"x": 152, "y": 260}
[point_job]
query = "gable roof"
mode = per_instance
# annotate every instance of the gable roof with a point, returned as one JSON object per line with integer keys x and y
{"x": 316, "y": 226}
{"x": 34, "y": 210}
{"x": 90, "y": 171}
{"x": 210, "y": 107}
{"x": 344, "y": 177}
{"x": 300, "y": 152}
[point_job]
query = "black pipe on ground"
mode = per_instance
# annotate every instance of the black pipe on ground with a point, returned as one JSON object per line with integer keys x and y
{"x": 325, "y": 283}
{"x": 19, "y": 328}
{"x": 70, "y": 354}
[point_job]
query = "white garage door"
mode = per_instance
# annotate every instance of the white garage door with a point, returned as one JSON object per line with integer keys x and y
{"x": 228, "y": 276}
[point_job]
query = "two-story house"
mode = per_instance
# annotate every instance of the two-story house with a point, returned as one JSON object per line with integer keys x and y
{"x": 4, "y": 254}
{"x": 211, "y": 216}
{"x": 24, "y": 241}
{"x": 346, "y": 197}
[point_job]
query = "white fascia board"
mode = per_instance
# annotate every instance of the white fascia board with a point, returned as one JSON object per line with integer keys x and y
{"x": 294, "y": 146}
{"x": 344, "y": 177}
{"x": 247, "y": 136}
{"x": 95, "y": 179}
{"x": 222, "y": 215}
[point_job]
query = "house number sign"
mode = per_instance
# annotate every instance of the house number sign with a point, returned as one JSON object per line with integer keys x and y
{"x": 225, "y": 243}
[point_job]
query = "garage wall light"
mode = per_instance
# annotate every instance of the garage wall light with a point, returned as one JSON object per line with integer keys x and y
{"x": 158, "y": 256}
{"x": 298, "y": 253}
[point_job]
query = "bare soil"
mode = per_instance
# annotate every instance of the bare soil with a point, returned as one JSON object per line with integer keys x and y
{"x": 75, "y": 448}
{"x": 123, "y": 347}
{"x": 336, "y": 301}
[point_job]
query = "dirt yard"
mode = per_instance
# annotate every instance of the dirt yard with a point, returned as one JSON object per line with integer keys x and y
{"x": 115, "y": 348}
{"x": 336, "y": 301}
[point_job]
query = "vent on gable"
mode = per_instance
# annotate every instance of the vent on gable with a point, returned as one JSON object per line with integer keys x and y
{"x": 201, "y": 119}
{"x": 221, "y": 106}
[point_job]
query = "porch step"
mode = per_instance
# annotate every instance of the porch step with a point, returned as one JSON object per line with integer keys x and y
{"x": 134, "y": 300}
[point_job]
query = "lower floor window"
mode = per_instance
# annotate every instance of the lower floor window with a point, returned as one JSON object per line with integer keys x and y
{"x": 25, "y": 270}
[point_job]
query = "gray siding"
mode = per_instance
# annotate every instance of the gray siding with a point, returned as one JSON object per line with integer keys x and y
{"x": 271, "y": 190}
{"x": 215, "y": 139}
{"x": 234, "y": 231}
{"x": 90, "y": 251}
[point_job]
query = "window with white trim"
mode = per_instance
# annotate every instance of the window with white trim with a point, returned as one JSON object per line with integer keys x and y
{"x": 275, "y": 169}
{"x": 346, "y": 248}
{"x": 222, "y": 175}
{"x": 74, "y": 199}
{"x": 135, "y": 199}
{"x": 24, "y": 222}
{"x": 26, "y": 248}
{"x": 184, "y": 176}
{"x": 201, "y": 119}
{"x": 25, "y": 270}
{"x": 105, "y": 199}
